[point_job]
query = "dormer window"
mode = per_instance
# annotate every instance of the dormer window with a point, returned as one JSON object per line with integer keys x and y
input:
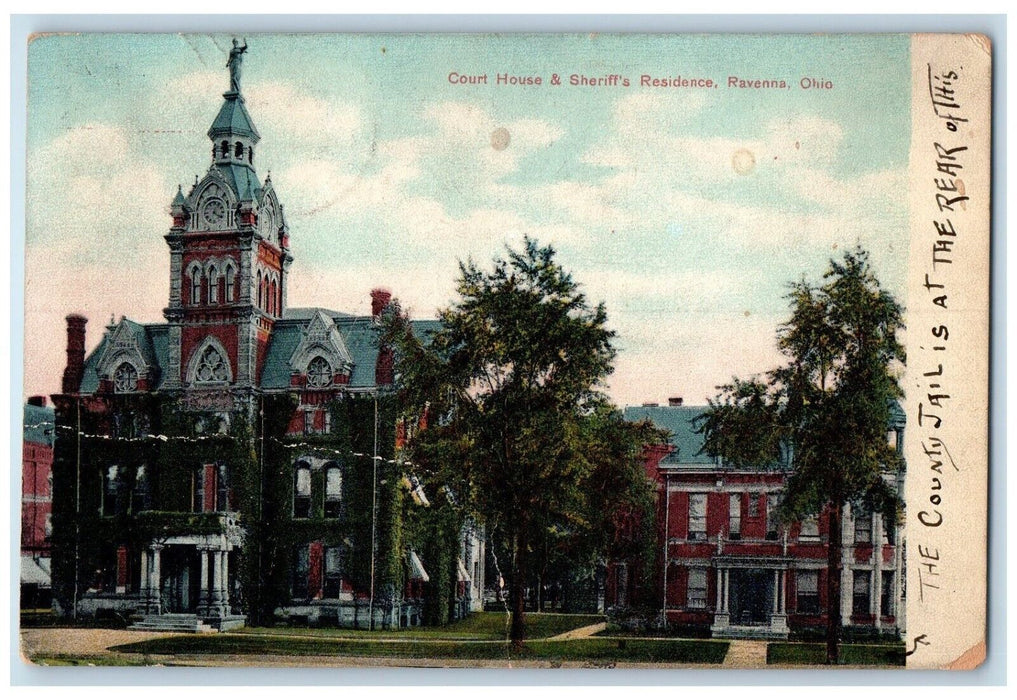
{"x": 319, "y": 373}
{"x": 125, "y": 379}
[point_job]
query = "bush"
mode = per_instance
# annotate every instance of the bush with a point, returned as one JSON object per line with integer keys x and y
{"x": 861, "y": 635}
{"x": 625, "y": 619}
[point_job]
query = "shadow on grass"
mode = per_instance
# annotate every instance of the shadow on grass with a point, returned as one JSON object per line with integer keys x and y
{"x": 587, "y": 649}
{"x": 850, "y": 654}
{"x": 481, "y": 626}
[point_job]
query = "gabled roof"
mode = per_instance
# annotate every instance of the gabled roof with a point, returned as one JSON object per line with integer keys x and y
{"x": 152, "y": 340}
{"x": 233, "y": 118}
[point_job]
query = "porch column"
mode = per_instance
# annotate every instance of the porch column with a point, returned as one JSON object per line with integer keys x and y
{"x": 783, "y": 592}
{"x": 720, "y": 590}
{"x": 727, "y": 589}
{"x": 216, "y": 605}
{"x": 877, "y": 595}
{"x": 203, "y": 582}
{"x": 721, "y": 618}
{"x": 225, "y": 581}
{"x": 778, "y": 618}
{"x": 146, "y": 589}
{"x": 155, "y": 580}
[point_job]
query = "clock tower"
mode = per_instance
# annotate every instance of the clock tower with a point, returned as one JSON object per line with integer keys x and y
{"x": 229, "y": 258}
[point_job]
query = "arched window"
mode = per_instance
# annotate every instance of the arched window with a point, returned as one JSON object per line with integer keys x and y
{"x": 213, "y": 285}
{"x": 222, "y": 488}
{"x": 125, "y": 378}
{"x": 225, "y": 148}
{"x": 302, "y": 491}
{"x": 274, "y": 293}
{"x": 250, "y": 155}
{"x": 112, "y": 503}
{"x": 195, "y": 286}
{"x": 333, "y": 490}
{"x": 239, "y": 150}
{"x": 231, "y": 284}
{"x": 211, "y": 367}
{"x": 140, "y": 499}
{"x": 319, "y": 373}
{"x": 261, "y": 289}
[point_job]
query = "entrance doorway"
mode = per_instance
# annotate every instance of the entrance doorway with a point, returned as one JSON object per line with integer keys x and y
{"x": 751, "y": 593}
{"x": 181, "y": 574}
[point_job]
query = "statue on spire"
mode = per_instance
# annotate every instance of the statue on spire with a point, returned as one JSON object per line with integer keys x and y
{"x": 235, "y": 60}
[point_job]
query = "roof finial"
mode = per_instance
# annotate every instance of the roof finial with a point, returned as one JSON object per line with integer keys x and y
{"x": 235, "y": 60}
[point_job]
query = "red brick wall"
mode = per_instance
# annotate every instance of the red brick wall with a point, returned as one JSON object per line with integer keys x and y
{"x": 36, "y": 467}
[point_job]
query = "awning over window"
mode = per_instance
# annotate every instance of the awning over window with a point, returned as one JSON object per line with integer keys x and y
{"x": 417, "y": 568}
{"x": 35, "y": 571}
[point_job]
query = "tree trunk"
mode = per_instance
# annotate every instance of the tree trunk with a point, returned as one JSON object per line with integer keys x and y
{"x": 517, "y": 591}
{"x": 833, "y": 566}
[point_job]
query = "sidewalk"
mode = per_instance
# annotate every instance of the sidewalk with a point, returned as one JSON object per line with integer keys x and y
{"x": 579, "y": 632}
{"x": 746, "y": 653}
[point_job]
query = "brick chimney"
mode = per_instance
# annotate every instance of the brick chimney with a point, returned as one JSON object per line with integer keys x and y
{"x": 39, "y": 401}
{"x": 75, "y": 353}
{"x": 380, "y": 299}
{"x": 675, "y": 401}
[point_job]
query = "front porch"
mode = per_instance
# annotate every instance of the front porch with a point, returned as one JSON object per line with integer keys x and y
{"x": 751, "y": 599}
{"x": 188, "y": 583}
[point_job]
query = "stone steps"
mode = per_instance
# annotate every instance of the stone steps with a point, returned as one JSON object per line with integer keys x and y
{"x": 173, "y": 623}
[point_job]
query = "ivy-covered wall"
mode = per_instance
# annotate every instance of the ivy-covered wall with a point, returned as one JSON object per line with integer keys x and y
{"x": 261, "y": 462}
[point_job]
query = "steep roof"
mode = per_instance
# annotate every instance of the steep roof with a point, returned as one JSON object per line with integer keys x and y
{"x": 242, "y": 179}
{"x": 680, "y": 423}
{"x": 359, "y": 333}
{"x": 233, "y": 118}
{"x": 153, "y": 342}
{"x": 39, "y": 424}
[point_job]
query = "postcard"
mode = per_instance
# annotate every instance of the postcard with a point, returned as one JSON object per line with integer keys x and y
{"x": 502, "y": 351}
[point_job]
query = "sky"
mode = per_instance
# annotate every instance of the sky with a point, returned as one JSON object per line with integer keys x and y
{"x": 687, "y": 211}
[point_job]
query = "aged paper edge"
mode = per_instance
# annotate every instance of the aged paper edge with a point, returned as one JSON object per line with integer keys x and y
{"x": 945, "y": 626}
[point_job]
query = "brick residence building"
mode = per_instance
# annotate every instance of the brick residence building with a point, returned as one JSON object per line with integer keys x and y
{"x": 240, "y": 460}
{"x": 732, "y": 568}
{"x": 36, "y": 502}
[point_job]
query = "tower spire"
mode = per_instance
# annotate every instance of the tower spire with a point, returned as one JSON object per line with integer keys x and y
{"x": 233, "y": 133}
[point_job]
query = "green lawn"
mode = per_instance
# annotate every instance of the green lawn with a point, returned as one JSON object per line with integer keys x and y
{"x": 586, "y": 649}
{"x": 850, "y": 654}
{"x": 481, "y": 626}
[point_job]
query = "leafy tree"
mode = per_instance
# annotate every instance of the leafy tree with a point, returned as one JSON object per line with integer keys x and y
{"x": 509, "y": 384}
{"x": 826, "y": 411}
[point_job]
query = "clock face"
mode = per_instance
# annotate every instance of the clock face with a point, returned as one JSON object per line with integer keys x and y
{"x": 213, "y": 212}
